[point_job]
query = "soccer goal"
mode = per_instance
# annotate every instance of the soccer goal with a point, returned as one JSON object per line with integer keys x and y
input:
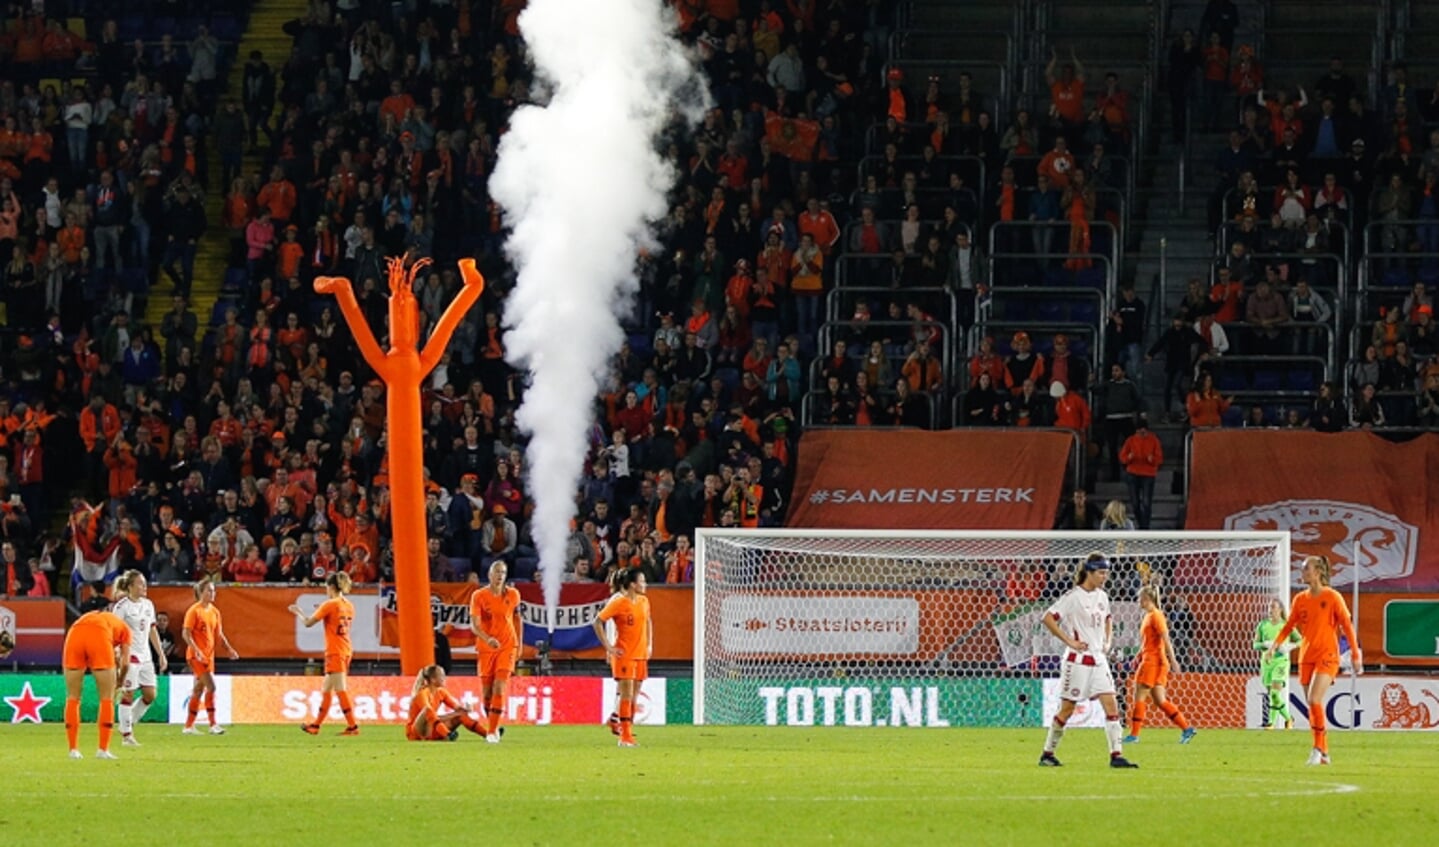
{"x": 909, "y": 628}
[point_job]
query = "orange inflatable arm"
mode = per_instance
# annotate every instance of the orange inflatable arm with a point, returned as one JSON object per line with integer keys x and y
{"x": 359, "y": 327}
{"x": 440, "y": 336}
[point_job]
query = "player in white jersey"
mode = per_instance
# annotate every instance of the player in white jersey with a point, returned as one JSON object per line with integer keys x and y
{"x": 138, "y": 613}
{"x": 1081, "y": 620}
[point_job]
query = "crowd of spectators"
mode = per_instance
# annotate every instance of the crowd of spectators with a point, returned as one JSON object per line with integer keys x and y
{"x": 249, "y": 443}
{"x": 1314, "y": 182}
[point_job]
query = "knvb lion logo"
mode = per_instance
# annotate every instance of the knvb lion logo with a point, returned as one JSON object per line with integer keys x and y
{"x": 1359, "y": 540}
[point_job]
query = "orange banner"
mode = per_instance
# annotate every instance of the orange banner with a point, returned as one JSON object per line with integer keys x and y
{"x": 257, "y": 623}
{"x": 959, "y": 479}
{"x": 1370, "y": 505}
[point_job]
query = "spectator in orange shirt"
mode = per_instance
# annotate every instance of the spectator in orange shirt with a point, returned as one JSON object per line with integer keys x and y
{"x": 277, "y": 195}
{"x": 1066, "y": 91}
{"x": 289, "y": 254}
{"x": 1141, "y": 456}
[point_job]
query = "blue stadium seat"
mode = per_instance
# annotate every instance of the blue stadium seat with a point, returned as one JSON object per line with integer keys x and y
{"x": 217, "y": 311}
{"x": 1301, "y": 379}
{"x": 1233, "y": 416}
{"x": 226, "y": 28}
{"x": 1267, "y": 380}
{"x": 525, "y": 568}
{"x": 1058, "y": 278}
{"x": 1084, "y": 312}
{"x": 135, "y": 281}
{"x": 1012, "y": 310}
{"x": 460, "y": 565}
{"x": 1395, "y": 276}
{"x": 1079, "y": 347}
{"x": 1091, "y": 278}
{"x": 640, "y": 345}
{"x": 1051, "y": 311}
{"x": 236, "y": 279}
{"x": 1230, "y": 380}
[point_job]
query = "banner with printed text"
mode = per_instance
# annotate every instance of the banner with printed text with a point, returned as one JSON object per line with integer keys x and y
{"x": 958, "y": 479}
{"x": 1366, "y": 702}
{"x": 532, "y": 700}
{"x": 1370, "y": 505}
{"x": 257, "y": 623}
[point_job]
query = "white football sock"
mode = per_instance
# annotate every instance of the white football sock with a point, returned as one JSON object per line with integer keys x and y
{"x": 1114, "y": 731}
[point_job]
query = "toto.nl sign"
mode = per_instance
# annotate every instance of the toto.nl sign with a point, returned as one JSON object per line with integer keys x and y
{"x": 813, "y": 626}
{"x": 1370, "y": 702}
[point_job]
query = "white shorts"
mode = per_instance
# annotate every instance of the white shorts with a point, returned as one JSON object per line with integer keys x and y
{"x": 141, "y": 675}
{"x": 1079, "y": 682}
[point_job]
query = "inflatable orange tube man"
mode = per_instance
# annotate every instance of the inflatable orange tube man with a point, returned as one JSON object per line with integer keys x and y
{"x": 403, "y": 368}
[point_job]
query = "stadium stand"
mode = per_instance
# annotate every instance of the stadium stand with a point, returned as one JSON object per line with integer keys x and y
{"x": 921, "y": 193}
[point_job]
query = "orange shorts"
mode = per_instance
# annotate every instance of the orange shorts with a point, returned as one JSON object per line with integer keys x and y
{"x": 642, "y": 669}
{"x": 198, "y": 667}
{"x": 86, "y": 651}
{"x": 1151, "y": 673}
{"x": 1328, "y": 665}
{"x": 437, "y": 733}
{"x": 497, "y": 664}
{"x": 623, "y": 668}
{"x": 337, "y": 663}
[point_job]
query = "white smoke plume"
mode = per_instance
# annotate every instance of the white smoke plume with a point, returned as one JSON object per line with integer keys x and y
{"x": 582, "y": 183}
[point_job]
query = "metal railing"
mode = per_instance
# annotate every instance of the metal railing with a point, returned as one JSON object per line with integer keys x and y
{"x": 1111, "y": 257}
{"x": 835, "y": 300}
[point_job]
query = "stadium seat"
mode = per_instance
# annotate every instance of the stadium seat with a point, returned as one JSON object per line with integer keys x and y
{"x": 1267, "y": 380}
{"x": 1084, "y": 312}
{"x": 1233, "y": 416}
{"x": 1091, "y": 278}
{"x": 1301, "y": 379}
{"x": 1051, "y": 311}
{"x": 1395, "y": 276}
{"x": 1230, "y": 380}
{"x": 525, "y": 568}
{"x": 135, "y": 281}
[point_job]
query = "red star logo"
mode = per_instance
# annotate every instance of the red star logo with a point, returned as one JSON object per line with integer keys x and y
{"x": 27, "y": 706}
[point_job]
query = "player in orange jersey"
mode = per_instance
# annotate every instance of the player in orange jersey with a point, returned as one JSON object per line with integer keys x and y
{"x": 425, "y": 722}
{"x": 495, "y": 620}
{"x": 338, "y": 615}
{"x": 99, "y": 642}
{"x": 630, "y": 649}
{"x": 202, "y": 630}
{"x": 1318, "y": 614}
{"x": 1156, "y": 663}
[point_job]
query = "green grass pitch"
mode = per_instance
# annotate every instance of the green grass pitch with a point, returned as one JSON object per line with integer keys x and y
{"x": 264, "y": 785}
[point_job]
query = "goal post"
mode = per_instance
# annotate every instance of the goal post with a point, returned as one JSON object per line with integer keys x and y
{"x": 943, "y": 628}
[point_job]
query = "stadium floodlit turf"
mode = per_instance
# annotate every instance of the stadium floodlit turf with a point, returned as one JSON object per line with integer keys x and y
{"x": 263, "y": 785}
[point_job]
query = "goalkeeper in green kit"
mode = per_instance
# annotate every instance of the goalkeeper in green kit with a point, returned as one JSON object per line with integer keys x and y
{"x": 1274, "y": 672}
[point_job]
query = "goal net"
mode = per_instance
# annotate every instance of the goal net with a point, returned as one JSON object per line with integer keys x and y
{"x": 895, "y": 628}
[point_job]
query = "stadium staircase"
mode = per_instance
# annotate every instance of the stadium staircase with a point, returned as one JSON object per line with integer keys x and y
{"x": 266, "y": 34}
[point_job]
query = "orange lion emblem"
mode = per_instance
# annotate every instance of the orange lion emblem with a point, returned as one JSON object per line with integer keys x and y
{"x": 1399, "y": 712}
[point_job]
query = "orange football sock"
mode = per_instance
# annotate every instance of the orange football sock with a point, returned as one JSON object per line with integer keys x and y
{"x": 107, "y": 722}
{"x": 210, "y": 706}
{"x": 326, "y": 699}
{"x": 471, "y": 724}
{"x": 346, "y": 708}
{"x": 1136, "y": 717}
{"x": 627, "y": 719}
{"x": 72, "y": 722}
{"x": 1172, "y": 711}
{"x": 497, "y": 711}
{"x": 1316, "y": 725}
{"x": 192, "y": 710}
